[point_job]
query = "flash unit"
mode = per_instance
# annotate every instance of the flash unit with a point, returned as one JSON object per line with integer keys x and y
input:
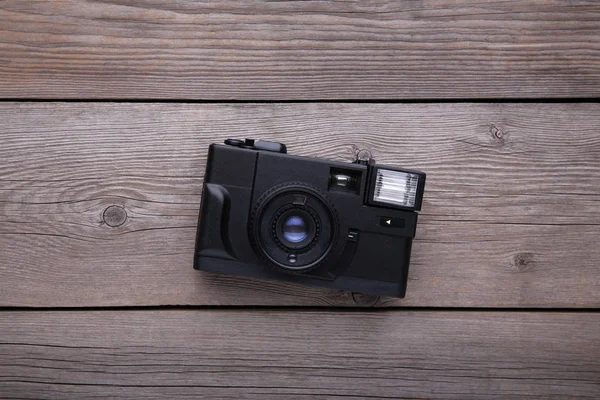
{"x": 399, "y": 188}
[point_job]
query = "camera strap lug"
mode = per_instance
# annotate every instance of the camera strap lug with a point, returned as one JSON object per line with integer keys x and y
{"x": 364, "y": 157}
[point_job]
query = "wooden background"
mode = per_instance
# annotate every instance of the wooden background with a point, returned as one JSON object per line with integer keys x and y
{"x": 106, "y": 112}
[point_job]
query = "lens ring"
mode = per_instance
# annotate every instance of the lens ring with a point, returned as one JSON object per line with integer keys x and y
{"x": 263, "y": 232}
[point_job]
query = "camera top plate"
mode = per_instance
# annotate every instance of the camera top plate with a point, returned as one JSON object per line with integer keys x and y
{"x": 258, "y": 145}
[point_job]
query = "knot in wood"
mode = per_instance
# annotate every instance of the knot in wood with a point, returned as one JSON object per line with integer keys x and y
{"x": 522, "y": 262}
{"x": 498, "y": 135}
{"x": 365, "y": 300}
{"x": 114, "y": 216}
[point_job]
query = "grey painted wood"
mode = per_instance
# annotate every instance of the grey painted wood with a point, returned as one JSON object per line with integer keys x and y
{"x": 299, "y": 50}
{"x": 510, "y": 215}
{"x": 299, "y": 354}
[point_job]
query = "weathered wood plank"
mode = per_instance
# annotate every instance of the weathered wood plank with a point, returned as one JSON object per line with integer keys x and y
{"x": 299, "y": 50}
{"x": 271, "y": 354}
{"x": 510, "y": 216}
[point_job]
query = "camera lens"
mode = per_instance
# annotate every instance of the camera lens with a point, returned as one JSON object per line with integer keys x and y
{"x": 295, "y": 229}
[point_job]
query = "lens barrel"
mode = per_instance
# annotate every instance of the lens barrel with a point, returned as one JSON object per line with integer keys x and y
{"x": 293, "y": 227}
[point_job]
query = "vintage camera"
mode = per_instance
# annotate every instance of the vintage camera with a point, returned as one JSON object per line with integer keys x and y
{"x": 266, "y": 214}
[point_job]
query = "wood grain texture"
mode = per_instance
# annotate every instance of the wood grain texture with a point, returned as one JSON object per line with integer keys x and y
{"x": 278, "y": 50}
{"x": 299, "y": 355}
{"x": 510, "y": 216}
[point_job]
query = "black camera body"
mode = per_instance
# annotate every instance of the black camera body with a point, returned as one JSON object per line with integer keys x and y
{"x": 266, "y": 214}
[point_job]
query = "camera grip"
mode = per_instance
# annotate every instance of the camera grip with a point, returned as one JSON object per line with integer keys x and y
{"x": 213, "y": 230}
